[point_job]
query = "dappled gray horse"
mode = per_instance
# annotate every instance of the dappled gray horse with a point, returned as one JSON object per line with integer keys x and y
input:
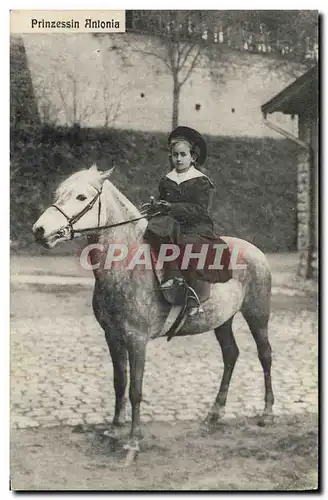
{"x": 128, "y": 303}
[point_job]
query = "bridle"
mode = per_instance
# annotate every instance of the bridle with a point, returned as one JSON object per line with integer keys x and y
{"x": 75, "y": 218}
{"x": 68, "y": 230}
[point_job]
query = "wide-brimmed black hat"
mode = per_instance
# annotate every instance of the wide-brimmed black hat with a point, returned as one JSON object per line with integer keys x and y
{"x": 194, "y": 138}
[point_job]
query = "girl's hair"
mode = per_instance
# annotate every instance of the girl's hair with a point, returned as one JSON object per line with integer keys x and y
{"x": 193, "y": 150}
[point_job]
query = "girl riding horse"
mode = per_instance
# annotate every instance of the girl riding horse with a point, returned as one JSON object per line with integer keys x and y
{"x": 184, "y": 199}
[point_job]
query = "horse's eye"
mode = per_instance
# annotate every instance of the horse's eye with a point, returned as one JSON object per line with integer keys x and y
{"x": 81, "y": 197}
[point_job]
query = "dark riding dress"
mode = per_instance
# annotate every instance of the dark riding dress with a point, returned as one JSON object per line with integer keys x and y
{"x": 188, "y": 222}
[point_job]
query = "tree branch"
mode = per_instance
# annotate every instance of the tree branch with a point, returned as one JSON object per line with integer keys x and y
{"x": 153, "y": 54}
{"x": 89, "y": 108}
{"x": 189, "y": 50}
{"x": 112, "y": 110}
{"x": 191, "y": 68}
{"x": 170, "y": 51}
{"x": 63, "y": 100}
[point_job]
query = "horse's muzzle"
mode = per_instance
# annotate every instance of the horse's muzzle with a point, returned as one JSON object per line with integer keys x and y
{"x": 40, "y": 237}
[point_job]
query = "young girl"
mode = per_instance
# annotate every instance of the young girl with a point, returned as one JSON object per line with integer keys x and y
{"x": 185, "y": 194}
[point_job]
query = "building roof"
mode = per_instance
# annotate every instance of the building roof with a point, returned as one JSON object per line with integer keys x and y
{"x": 299, "y": 97}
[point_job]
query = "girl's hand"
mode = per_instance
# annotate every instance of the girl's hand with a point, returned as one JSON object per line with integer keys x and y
{"x": 151, "y": 204}
{"x": 164, "y": 206}
{"x": 145, "y": 206}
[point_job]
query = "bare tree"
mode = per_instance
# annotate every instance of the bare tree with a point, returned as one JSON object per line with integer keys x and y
{"x": 181, "y": 44}
{"x": 112, "y": 107}
{"x": 72, "y": 91}
{"x": 112, "y": 93}
{"x": 187, "y": 38}
{"x": 64, "y": 91}
{"x": 48, "y": 109}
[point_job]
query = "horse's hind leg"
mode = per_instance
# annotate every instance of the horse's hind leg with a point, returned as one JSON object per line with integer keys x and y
{"x": 258, "y": 325}
{"x": 230, "y": 352}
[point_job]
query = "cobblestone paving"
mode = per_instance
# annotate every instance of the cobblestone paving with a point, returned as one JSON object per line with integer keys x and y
{"x": 61, "y": 372}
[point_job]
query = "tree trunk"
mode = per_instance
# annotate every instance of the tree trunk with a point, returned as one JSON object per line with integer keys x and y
{"x": 75, "y": 121}
{"x": 176, "y": 98}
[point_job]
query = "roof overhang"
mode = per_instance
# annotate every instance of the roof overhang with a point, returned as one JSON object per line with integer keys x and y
{"x": 298, "y": 98}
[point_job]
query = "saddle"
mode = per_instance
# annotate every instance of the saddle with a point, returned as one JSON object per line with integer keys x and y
{"x": 179, "y": 297}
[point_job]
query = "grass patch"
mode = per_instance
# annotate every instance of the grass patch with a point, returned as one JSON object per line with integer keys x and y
{"x": 255, "y": 179}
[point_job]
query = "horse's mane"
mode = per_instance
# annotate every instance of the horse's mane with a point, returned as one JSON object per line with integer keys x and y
{"x": 127, "y": 207}
{"x": 125, "y": 210}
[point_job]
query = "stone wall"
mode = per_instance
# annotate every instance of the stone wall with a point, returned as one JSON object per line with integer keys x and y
{"x": 307, "y": 200}
{"x": 91, "y": 74}
{"x": 314, "y": 261}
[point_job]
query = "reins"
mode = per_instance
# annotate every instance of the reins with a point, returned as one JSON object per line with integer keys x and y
{"x": 109, "y": 226}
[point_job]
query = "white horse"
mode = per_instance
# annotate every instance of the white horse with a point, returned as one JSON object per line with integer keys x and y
{"x": 128, "y": 304}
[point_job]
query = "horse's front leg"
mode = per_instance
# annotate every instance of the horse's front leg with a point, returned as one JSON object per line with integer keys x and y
{"x": 136, "y": 346}
{"x": 118, "y": 354}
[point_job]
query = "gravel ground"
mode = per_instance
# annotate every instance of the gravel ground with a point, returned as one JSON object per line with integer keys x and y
{"x": 61, "y": 376}
{"x": 61, "y": 372}
{"x": 174, "y": 457}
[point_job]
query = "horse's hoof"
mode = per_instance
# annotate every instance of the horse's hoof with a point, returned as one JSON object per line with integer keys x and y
{"x": 132, "y": 453}
{"x": 265, "y": 420}
{"x": 207, "y": 428}
{"x": 115, "y": 429}
{"x": 111, "y": 433}
{"x": 112, "y": 438}
{"x": 131, "y": 458}
{"x": 212, "y": 422}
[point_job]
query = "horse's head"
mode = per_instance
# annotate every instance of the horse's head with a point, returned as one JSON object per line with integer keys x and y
{"x": 77, "y": 205}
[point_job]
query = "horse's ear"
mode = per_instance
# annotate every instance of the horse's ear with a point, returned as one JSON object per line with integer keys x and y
{"x": 105, "y": 175}
{"x": 93, "y": 168}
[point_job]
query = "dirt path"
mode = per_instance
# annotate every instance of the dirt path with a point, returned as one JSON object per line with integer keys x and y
{"x": 175, "y": 456}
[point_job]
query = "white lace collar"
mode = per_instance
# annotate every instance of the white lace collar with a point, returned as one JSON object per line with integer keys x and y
{"x": 191, "y": 173}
